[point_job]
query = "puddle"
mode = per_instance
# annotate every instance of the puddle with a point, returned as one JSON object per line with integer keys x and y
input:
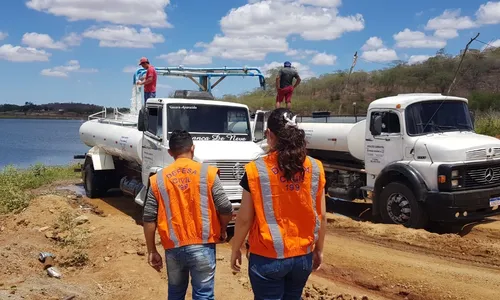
{"x": 78, "y": 189}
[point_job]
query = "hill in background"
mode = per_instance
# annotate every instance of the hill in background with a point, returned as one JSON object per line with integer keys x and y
{"x": 477, "y": 80}
{"x": 53, "y": 110}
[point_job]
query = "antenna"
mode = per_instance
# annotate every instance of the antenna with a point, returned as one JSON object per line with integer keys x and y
{"x": 354, "y": 60}
{"x": 460, "y": 64}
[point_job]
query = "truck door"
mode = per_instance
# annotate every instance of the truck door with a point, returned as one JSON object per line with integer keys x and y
{"x": 383, "y": 140}
{"x": 153, "y": 142}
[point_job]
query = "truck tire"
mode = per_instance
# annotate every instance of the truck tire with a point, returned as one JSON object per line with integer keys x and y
{"x": 93, "y": 182}
{"x": 398, "y": 205}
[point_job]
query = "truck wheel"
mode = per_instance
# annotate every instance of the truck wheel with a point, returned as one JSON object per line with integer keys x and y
{"x": 399, "y": 206}
{"x": 93, "y": 182}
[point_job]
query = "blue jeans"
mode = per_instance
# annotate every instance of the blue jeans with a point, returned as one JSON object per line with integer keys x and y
{"x": 148, "y": 95}
{"x": 276, "y": 279}
{"x": 197, "y": 260}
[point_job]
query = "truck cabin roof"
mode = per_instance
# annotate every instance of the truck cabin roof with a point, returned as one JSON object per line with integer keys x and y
{"x": 404, "y": 100}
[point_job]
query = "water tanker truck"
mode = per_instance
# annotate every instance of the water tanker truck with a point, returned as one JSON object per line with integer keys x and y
{"x": 415, "y": 158}
{"x": 127, "y": 149}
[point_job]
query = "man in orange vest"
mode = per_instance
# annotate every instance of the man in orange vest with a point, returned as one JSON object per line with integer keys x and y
{"x": 189, "y": 207}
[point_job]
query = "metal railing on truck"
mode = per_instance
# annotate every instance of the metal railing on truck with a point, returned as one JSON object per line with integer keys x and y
{"x": 117, "y": 118}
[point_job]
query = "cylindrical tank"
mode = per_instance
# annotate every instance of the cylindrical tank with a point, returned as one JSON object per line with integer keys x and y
{"x": 339, "y": 137}
{"x": 117, "y": 140}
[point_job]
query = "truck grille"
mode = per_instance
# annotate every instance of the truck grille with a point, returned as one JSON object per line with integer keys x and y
{"x": 482, "y": 153}
{"x": 482, "y": 176}
{"x": 230, "y": 171}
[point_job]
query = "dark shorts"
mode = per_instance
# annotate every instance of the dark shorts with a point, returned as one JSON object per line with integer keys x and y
{"x": 148, "y": 95}
{"x": 285, "y": 93}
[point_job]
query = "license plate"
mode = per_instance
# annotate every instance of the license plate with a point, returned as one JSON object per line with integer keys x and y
{"x": 495, "y": 201}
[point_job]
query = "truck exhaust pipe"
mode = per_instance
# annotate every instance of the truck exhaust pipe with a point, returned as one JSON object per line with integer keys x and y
{"x": 130, "y": 186}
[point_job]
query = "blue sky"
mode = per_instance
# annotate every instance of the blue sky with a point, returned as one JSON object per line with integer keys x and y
{"x": 86, "y": 50}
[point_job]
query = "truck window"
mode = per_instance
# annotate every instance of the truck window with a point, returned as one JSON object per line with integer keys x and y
{"x": 209, "y": 122}
{"x": 437, "y": 116}
{"x": 155, "y": 121}
{"x": 390, "y": 121}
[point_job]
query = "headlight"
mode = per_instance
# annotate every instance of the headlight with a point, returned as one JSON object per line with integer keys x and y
{"x": 455, "y": 173}
{"x": 454, "y": 183}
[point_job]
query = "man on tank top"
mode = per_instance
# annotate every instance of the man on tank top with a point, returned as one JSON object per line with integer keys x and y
{"x": 150, "y": 81}
{"x": 285, "y": 86}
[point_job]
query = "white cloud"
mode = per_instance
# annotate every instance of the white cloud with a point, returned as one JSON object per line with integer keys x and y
{"x": 299, "y": 53}
{"x": 417, "y": 39}
{"x": 45, "y": 41}
{"x": 63, "y": 71}
{"x": 282, "y": 18}
{"x": 446, "y": 34}
{"x": 124, "y": 37}
{"x": 130, "y": 69}
{"x": 489, "y": 13}
{"x": 3, "y": 35}
{"x": 304, "y": 71}
{"x": 41, "y": 40}
{"x": 380, "y": 55}
{"x": 375, "y": 51}
{"x": 373, "y": 43}
{"x": 415, "y": 59}
{"x": 251, "y": 31}
{"x": 324, "y": 59}
{"x": 184, "y": 57}
{"x": 72, "y": 39}
{"x": 446, "y": 25}
{"x": 22, "y": 54}
{"x": 322, "y": 3}
{"x": 149, "y": 13}
{"x": 244, "y": 48}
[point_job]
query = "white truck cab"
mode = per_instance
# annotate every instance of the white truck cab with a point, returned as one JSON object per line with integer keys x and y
{"x": 127, "y": 149}
{"x": 416, "y": 157}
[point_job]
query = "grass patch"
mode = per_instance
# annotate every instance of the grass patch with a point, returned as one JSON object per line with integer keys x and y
{"x": 15, "y": 184}
{"x": 70, "y": 235}
{"x": 488, "y": 123}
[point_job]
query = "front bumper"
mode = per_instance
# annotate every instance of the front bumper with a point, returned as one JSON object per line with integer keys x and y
{"x": 444, "y": 206}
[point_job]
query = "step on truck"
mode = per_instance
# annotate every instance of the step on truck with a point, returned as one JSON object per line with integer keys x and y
{"x": 127, "y": 149}
{"x": 414, "y": 157}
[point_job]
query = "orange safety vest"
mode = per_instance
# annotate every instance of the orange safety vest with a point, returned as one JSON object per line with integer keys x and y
{"x": 186, "y": 210}
{"x": 287, "y": 213}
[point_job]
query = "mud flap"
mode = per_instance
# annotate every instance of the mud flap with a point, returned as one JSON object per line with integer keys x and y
{"x": 140, "y": 199}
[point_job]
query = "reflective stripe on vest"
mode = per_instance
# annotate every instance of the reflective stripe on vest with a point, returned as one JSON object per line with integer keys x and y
{"x": 265, "y": 185}
{"x": 315, "y": 173}
{"x": 205, "y": 219}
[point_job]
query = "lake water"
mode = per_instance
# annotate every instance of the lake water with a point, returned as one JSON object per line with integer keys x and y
{"x": 25, "y": 142}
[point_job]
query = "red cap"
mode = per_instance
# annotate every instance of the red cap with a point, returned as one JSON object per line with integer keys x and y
{"x": 143, "y": 60}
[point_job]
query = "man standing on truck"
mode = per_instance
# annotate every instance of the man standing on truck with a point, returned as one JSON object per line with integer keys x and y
{"x": 188, "y": 205}
{"x": 284, "y": 85}
{"x": 150, "y": 81}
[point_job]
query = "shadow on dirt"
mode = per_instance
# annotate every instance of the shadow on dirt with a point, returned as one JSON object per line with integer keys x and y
{"x": 362, "y": 212}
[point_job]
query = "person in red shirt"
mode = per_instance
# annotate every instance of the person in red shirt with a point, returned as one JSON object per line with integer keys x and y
{"x": 150, "y": 81}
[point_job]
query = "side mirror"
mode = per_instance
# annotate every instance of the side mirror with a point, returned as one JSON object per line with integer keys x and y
{"x": 376, "y": 125}
{"x": 142, "y": 122}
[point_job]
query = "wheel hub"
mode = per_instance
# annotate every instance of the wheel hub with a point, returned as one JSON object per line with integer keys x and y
{"x": 398, "y": 208}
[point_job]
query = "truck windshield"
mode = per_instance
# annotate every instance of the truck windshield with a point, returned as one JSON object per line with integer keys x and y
{"x": 432, "y": 116}
{"x": 209, "y": 122}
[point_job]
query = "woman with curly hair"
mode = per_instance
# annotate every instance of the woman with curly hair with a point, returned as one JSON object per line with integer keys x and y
{"x": 283, "y": 211}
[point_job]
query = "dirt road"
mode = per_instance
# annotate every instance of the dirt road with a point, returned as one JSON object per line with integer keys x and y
{"x": 101, "y": 256}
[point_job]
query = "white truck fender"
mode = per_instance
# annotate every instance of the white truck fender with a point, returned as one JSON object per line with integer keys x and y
{"x": 100, "y": 159}
{"x": 141, "y": 196}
